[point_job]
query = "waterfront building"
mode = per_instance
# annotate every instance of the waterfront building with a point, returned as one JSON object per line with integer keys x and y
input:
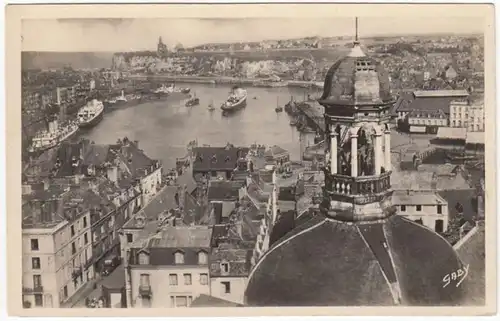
{"x": 426, "y": 208}
{"x": 169, "y": 269}
{"x": 429, "y": 100}
{"x": 57, "y": 246}
{"x": 467, "y": 114}
{"x": 357, "y": 229}
{"x": 277, "y": 155}
{"x": 65, "y": 94}
{"x": 426, "y": 122}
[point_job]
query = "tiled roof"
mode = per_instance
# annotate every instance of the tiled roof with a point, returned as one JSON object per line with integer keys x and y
{"x": 133, "y": 158}
{"x": 325, "y": 262}
{"x": 209, "y": 301}
{"x": 427, "y": 114}
{"x": 275, "y": 150}
{"x": 97, "y": 155}
{"x": 427, "y": 104}
{"x": 431, "y": 198}
{"x": 238, "y": 259}
{"x": 217, "y": 158}
{"x": 163, "y": 201}
{"x": 451, "y": 133}
{"x": 224, "y": 190}
{"x": 183, "y": 237}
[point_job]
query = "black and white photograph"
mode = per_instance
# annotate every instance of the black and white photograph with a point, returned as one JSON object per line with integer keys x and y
{"x": 258, "y": 161}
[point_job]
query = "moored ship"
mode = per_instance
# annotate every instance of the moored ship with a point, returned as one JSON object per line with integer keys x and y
{"x": 52, "y": 137}
{"x": 90, "y": 114}
{"x": 271, "y": 82}
{"x": 237, "y": 99}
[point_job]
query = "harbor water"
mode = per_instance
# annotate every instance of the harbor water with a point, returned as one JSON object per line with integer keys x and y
{"x": 164, "y": 128}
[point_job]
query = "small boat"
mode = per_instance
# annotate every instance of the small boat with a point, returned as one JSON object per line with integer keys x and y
{"x": 211, "y": 106}
{"x": 293, "y": 122}
{"x": 193, "y": 101}
{"x": 255, "y": 97}
{"x": 185, "y": 90}
{"x": 278, "y": 108}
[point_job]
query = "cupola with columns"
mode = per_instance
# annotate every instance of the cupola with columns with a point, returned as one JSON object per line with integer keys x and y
{"x": 357, "y": 99}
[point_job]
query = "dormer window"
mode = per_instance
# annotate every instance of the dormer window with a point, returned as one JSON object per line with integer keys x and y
{"x": 214, "y": 159}
{"x": 202, "y": 258}
{"x": 228, "y": 159}
{"x": 143, "y": 258}
{"x": 179, "y": 257}
{"x": 224, "y": 267}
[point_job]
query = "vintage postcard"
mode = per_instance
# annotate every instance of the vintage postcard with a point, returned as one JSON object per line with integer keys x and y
{"x": 240, "y": 159}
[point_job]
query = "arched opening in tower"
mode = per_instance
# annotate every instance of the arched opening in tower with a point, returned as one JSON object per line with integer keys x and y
{"x": 366, "y": 151}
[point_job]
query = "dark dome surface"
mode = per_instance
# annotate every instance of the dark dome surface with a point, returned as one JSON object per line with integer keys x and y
{"x": 325, "y": 262}
{"x": 356, "y": 79}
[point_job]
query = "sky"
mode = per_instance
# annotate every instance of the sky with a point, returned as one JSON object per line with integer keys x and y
{"x": 76, "y": 35}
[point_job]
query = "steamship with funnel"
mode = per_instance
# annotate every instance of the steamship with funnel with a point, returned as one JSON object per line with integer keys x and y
{"x": 90, "y": 114}
{"x": 52, "y": 137}
{"x": 237, "y": 99}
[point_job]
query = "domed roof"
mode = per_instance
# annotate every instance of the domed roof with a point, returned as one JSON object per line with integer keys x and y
{"x": 325, "y": 262}
{"x": 356, "y": 79}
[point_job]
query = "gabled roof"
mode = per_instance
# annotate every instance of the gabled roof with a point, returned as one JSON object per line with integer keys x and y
{"x": 217, "y": 158}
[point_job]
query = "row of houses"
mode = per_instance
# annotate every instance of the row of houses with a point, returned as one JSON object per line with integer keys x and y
{"x": 76, "y": 197}
{"x": 426, "y": 111}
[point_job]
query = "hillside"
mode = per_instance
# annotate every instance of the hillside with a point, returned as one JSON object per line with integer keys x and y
{"x": 57, "y": 60}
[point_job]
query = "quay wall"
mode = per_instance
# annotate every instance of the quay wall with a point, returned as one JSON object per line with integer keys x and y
{"x": 212, "y": 80}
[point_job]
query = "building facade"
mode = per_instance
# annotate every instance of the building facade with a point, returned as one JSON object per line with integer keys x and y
{"x": 169, "y": 269}
{"x": 57, "y": 255}
{"x": 467, "y": 114}
{"x": 426, "y": 208}
{"x": 426, "y": 122}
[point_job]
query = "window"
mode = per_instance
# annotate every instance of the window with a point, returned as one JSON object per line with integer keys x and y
{"x": 419, "y": 208}
{"x": 224, "y": 267}
{"x": 187, "y": 279}
{"x": 173, "y": 279}
{"x": 439, "y": 226}
{"x": 38, "y": 300}
{"x": 202, "y": 258}
{"x": 65, "y": 292}
{"x": 179, "y": 258}
{"x": 85, "y": 238}
{"x": 37, "y": 281}
{"x": 143, "y": 259}
{"x": 440, "y": 209}
{"x": 84, "y": 222}
{"x": 181, "y": 301}
{"x": 34, "y": 245}
{"x": 145, "y": 280}
{"x": 204, "y": 279}
{"x": 403, "y": 208}
{"x": 226, "y": 287}
{"x": 35, "y": 263}
{"x": 73, "y": 248}
{"x": 72, "y": 230}
{"x": 130, "y": 238}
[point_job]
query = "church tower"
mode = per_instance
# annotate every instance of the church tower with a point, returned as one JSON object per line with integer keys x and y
{"x": 357, "y": 251}
{"x": 357, "y": 100}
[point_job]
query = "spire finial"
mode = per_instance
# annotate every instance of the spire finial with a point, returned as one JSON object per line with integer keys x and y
{"x": 356, "y": 35}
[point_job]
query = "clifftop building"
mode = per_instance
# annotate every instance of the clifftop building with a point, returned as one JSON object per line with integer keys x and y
{"x": 356, "y": 251}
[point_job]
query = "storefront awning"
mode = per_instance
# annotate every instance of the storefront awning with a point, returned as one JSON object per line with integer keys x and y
{"x": 478, "y": 138}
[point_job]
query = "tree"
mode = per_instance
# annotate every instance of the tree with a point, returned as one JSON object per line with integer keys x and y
{"x": 179, "y": 47}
